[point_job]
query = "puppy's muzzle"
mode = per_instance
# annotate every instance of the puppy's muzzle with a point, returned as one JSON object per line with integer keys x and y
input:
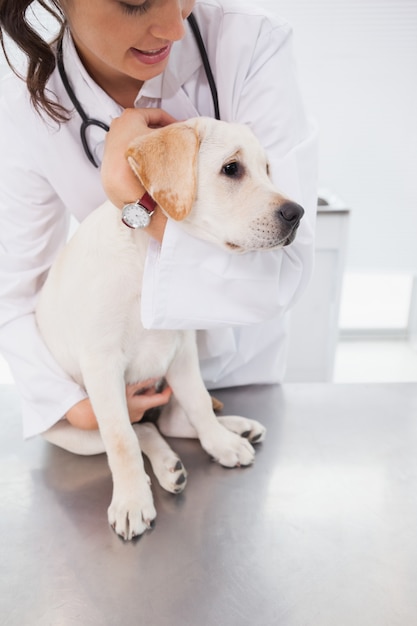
{"x": 289, "y": 215}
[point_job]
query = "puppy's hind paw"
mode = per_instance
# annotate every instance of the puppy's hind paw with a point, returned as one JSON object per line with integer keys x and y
{"x": 252, "y": 430}
{"x": 171, "y": 473}
{"x": 230, "y": 450}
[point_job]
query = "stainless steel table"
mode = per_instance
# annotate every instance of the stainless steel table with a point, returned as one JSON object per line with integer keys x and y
{"x": 321, "y": 531}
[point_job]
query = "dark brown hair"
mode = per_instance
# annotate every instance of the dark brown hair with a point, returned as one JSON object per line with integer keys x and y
{"x": 39, "y": 53}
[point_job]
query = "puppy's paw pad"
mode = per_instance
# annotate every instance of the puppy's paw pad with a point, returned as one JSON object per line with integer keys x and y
{"x": 171, "y": 474}
{"x": 252, "y": 430}
{"x": 177, "y": 467}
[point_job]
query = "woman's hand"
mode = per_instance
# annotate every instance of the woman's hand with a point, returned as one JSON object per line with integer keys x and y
{"x": 143, "y": 396}
{"x": 140, "y": 397}
{"x": 119, "y": 182}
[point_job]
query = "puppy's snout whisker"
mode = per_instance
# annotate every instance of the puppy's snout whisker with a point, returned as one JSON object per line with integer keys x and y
{"x": 290, "y": 212}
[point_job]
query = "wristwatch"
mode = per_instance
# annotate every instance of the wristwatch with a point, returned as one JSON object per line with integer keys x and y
{"x": 138, "y": 214}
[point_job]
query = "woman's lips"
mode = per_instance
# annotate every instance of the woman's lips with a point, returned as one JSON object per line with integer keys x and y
{"x": 151, "y": 57}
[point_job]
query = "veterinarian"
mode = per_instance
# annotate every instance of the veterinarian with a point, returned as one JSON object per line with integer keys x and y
{"x": 133, "y": 66}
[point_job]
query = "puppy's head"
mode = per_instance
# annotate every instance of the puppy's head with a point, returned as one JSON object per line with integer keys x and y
{"x": 213, "y": 177}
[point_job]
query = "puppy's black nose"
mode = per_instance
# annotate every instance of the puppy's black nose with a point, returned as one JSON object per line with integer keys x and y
{"x": 291, "y": 212}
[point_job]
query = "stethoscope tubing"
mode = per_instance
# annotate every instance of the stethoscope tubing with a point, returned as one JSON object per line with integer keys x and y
{"x": 207, "y": 68}
{"x": 86, "y": 121}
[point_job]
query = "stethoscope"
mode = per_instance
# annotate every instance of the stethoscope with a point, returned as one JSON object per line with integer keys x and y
{"x": 87, "y": 121}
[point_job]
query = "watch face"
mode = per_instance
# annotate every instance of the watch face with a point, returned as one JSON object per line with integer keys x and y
{"x": 135, "y": 216}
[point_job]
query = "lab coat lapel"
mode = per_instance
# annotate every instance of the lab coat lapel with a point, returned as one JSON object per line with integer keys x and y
{"x": 175, "y": 101}
{"x": 184, "y": 62}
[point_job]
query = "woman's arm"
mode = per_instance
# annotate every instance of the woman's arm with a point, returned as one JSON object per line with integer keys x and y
{"x": 119, "y": 181}
{"x": 140, "y": 397}
{"x": 33, "y": 227}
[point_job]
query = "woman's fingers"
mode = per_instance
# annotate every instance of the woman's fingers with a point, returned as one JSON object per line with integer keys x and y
{"x": 152, "y": 399}
{"x": 143, "y": 396}
{"x": 156, "y": 118}
{"x": 134, "y": 122}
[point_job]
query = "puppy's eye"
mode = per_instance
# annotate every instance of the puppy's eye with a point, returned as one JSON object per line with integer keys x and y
{"x": 232, "y": 169}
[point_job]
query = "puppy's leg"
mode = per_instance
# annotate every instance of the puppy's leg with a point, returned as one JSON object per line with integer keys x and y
{"x": 184, "y": 377}
{"x": 173, "y": 422}
{"x": 131, "y": 510}
{"x": 76, "y": 440}
{"x": 166, "y": 464}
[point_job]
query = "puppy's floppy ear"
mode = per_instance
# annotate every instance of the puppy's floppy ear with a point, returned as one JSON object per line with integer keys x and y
{"x": 165, "y": 161}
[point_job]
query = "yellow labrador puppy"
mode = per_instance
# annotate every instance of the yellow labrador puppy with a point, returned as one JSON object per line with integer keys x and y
{"x": 89, "y": 308}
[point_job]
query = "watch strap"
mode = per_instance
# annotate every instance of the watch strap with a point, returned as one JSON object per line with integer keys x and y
{"x": 147, "y": 202}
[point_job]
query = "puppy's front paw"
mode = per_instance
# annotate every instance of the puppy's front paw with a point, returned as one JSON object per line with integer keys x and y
{"x": 250, "y": 429}
{"x": 131, "y": 514}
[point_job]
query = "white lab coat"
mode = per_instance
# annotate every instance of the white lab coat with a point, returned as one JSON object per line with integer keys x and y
{"x": 45, "y": 177}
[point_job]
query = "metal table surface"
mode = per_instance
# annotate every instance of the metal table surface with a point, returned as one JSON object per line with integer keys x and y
{"x": 320, "y": 531}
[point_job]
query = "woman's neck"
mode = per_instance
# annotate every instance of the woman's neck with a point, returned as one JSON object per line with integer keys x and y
{"x": 121, "y": 88}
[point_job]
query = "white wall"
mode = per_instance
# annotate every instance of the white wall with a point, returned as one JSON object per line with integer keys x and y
{"x": 357, "y": 62}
